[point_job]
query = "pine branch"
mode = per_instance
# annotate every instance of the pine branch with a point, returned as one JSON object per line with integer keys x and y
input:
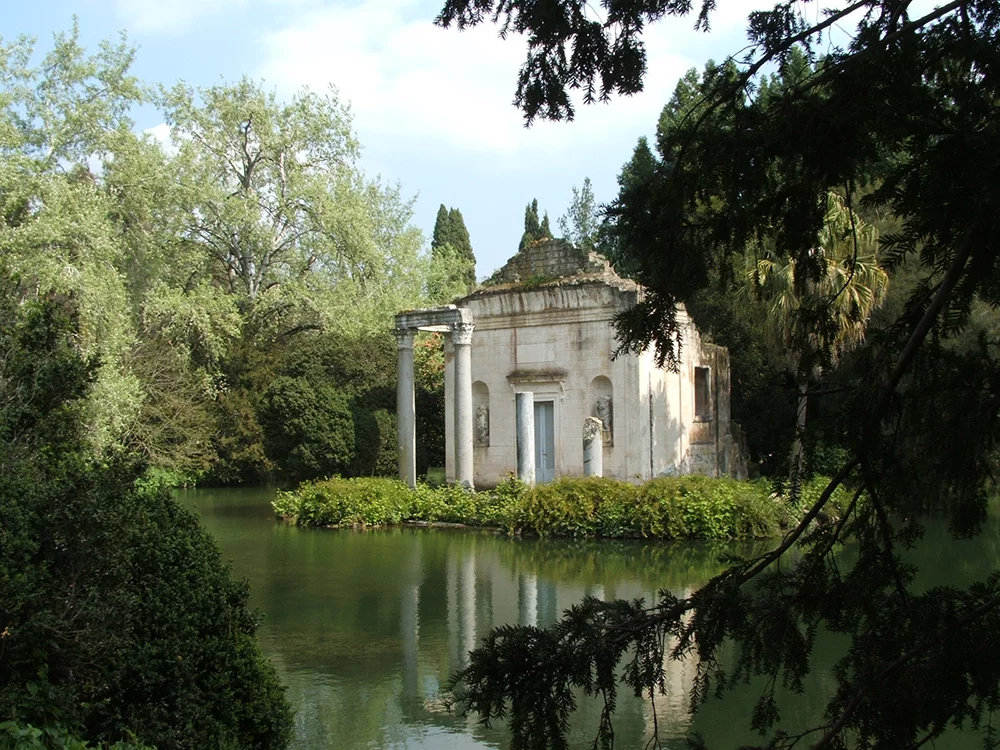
{"x": 946, "y": 632}
{"x": 941, "y": 297}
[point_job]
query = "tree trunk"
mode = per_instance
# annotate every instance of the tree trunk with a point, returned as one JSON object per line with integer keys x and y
{"x": 798, "y": 449}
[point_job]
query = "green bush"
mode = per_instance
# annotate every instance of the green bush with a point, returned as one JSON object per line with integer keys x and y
{"x": 693, "y": 507}
{"x": 808, "y": 494}
{"x": 579, "y": 508}
{"x": 363, "y": 501}
{"x": 503, "y": 505}
{"x": 449, "y": 503}
{"x": 118, "y": 616}
{"x": 309, "y": 428}
{"x": 16, "y": 735}
{"x": 688, "y": 507}
{"x": 377, "y": 501}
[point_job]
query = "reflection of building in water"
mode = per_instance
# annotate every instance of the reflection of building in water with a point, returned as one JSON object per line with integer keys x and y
{"x": 409, "y": 626}
{"x": 671, "y": 707}
{"x": 482, "y": 591}
{"x": 527, "y": 599}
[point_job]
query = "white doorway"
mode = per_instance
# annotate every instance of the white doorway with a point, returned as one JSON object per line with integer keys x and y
{"x": 545, "y": 441}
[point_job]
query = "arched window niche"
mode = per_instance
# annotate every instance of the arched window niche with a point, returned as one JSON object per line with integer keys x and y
{"x": 602, "y": 406}
{"x": 481, "y": 414}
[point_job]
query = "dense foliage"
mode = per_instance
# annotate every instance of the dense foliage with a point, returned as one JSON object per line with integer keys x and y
{"x": 118, "y": 616}
{"x": 667, "y": 508}
{"x": 581, "y": 222}
{"x": 895, "y": 107}
{"x": 200, "y": 263}
{"x": 533, "y": 228}
{"x": 450, "y": 242}
{"x": 16, "y": 735}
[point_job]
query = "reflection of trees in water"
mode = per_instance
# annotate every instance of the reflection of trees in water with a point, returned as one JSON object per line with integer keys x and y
{"x": 653, "y": 566}
{"x": 367, "y": 627}
{"x": 385, "y": 618}
{"x": 487, "y": 586}
{"x": 944, "y": 561}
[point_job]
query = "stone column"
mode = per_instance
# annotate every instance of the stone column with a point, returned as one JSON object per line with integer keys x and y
{"x": 593, "y": 447}
{"x": 461, "y": 338}
{"x": 449, "y": 409}
{"x": 526, "y": 437}
{"x": 406, "y": 412}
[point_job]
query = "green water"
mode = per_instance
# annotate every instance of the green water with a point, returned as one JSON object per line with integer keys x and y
{"x": 366, "y": 627}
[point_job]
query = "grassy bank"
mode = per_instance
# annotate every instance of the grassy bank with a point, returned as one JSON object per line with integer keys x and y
{"x": 688, "y": 507}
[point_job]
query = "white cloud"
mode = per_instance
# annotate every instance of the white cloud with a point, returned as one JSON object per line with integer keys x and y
{"x": 409, "y": 78}
{"x": 433, "y": 107}
{"x": 415, "y": 82}
{"x": 162, "y": 134}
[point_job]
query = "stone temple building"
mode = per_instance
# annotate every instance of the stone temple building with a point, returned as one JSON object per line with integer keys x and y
{"x": 531, "y": 388}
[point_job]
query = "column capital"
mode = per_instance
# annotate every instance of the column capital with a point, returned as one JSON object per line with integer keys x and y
{"x": 593, "y": 428}
{"x": 404, "y": 337}
{"x": 461, "y": 333}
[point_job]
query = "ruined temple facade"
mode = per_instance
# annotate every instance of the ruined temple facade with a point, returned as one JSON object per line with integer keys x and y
{"x": 543, "y": 328}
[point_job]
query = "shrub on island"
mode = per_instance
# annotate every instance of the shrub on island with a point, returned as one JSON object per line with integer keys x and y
{"x": 688, "y": 507}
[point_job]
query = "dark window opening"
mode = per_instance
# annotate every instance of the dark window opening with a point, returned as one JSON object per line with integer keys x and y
{"x": 702, "y": 393}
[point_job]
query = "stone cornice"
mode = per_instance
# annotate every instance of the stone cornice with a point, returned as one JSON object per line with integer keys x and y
{"x": 539, "y": 375}
{"x": 546, "y": 318}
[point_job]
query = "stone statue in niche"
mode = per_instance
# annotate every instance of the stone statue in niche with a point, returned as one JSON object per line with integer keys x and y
{"x": 482, "y": 425}
{"x": 604, "y": 413}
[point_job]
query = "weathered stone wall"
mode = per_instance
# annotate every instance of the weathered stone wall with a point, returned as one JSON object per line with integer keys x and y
{"x": 550, "y": 259}
{"x": 545, "y": 326}
{"x": 555, "y": 341}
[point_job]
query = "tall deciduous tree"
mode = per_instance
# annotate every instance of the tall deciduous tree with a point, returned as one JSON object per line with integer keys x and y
{"x": 580, "y": 222}
{"x": 908, "y": 107}
{"x": 251, "y": 223}
{"x": 276, "y": 200}
{"x": 57, "y": 120}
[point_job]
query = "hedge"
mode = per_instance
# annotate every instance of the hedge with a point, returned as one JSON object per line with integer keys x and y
{"x": 18, "y": 735}
{"x": 689, "y": 507}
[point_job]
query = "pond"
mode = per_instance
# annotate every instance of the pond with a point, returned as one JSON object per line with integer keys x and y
{"x": 366, "y": 627}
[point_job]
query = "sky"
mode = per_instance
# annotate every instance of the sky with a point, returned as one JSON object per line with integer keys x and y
{"x": 432, "y": 107}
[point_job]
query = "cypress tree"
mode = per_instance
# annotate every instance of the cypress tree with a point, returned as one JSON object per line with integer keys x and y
{"x": 441, "y": 226}
{"x": 450, "y": 231}
{"x": 532, "y": 229}
{"x": 459, "y": 239}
